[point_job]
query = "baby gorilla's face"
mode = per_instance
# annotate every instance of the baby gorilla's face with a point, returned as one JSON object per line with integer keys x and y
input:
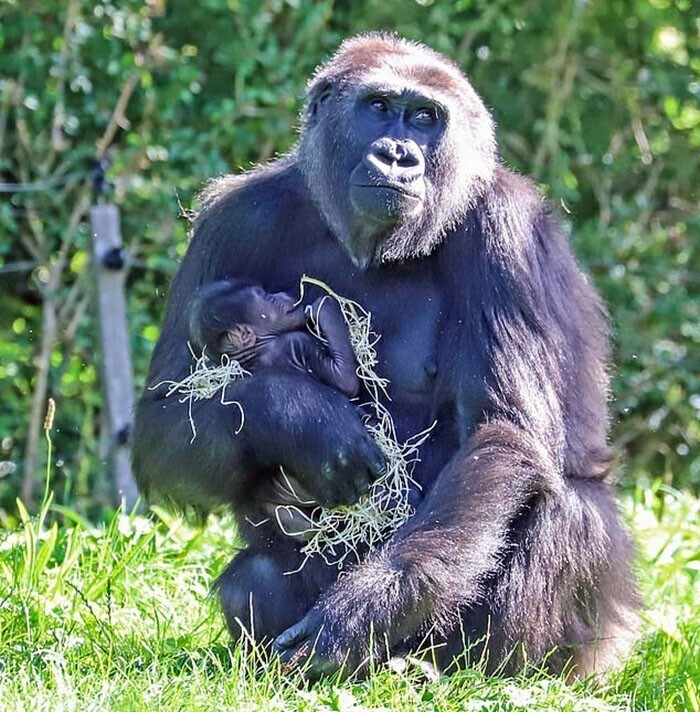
{"x": 271, "y": 314}
{"x": 258, "y": 317}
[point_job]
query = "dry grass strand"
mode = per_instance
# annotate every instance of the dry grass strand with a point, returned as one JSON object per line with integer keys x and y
{"x": 206, "y": 380}
{"x": 351, "y": 531}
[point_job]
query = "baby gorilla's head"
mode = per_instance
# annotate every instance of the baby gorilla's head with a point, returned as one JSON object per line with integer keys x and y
{"x": 239, "y": 319}
{"x": 255, "y": 316}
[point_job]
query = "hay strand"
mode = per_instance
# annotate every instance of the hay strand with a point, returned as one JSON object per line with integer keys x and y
{"x": 206, "y": 380}
{"x": 344, "y": 532}
{"x": 362, "y": 338}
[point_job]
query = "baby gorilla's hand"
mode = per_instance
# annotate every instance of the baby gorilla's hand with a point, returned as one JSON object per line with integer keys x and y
{"x": 338, "y": 368}
{"x": 326, "y": 314}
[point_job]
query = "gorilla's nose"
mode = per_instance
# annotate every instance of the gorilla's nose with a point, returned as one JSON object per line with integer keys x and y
{"x": 398, "y": 159}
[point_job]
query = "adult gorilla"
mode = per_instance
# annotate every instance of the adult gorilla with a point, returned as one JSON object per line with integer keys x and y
{"x": 395, "y": 198}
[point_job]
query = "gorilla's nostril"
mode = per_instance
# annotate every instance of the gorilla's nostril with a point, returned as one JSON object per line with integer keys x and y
{"x": 386, "y": 156}
{"x": 407, "y": 156}
{"x": 389, "y": 153}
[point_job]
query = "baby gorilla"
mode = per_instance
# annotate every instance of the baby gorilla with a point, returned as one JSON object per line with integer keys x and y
{"x": 268, "y": 331}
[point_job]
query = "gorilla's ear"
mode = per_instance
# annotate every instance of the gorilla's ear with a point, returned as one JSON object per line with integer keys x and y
{"x": 318, "y": 95}
{"x": 238, "y": 338}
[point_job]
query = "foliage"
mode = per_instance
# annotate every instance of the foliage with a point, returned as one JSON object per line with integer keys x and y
{"x": 118, "y": 617}
{"x": 597, "y": 100}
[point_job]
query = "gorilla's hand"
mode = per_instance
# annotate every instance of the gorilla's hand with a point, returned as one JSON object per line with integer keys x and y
{"x": 352, "y": 623}
{"x": 319, "y": 647}
{"x": 313, "y": 432}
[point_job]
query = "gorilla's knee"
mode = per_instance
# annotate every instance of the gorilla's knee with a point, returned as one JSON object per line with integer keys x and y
{"x": 257, "y": 598}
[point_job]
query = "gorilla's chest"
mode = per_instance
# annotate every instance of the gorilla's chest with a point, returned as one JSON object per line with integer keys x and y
{"x": 406, "y": 307}
{"x": 407, "y": 349}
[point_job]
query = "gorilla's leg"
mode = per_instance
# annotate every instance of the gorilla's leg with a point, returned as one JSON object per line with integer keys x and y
{"x": 602, "y": 639}
{"x": 259, "y": 594}
{"x": 567, "y": 599}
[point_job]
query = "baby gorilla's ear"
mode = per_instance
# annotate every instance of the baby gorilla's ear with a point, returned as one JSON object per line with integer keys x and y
{"x": 238, "y": 338}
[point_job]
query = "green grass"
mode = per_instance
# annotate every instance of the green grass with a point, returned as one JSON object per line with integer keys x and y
{"x": 119, "y": 617}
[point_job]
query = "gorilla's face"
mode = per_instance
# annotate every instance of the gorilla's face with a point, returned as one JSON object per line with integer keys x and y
{"x": 267, "y": 314}
{"x": 394, "y": 133}
{"x": 381, "y": 178}
{"x": 395, "y": 147}
{"x": 246, "y": 319}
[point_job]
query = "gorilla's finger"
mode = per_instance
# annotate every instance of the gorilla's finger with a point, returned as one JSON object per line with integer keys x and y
{"x": 377, "y": 463}
{"x": 361, "y": 483}
{"x": 290, "y": 637}
{"x": 308, "y": 628}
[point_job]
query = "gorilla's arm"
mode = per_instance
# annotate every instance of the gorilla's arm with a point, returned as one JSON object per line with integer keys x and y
{"x": 437, "y": 563}
{"x": 542, "y": 330}
{"x": 271, "y": 418}
{"x": 281, "y": 418}
{"x": 335, "y": 363}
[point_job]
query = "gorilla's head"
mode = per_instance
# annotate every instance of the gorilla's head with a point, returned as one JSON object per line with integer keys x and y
{"x": 396, "y": 146}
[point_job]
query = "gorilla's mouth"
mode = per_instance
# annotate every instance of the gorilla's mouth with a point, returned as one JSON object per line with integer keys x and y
{"x": 288, "y": 308}
{"x": 402, "y": 190}
{"x": 386, "y": 203}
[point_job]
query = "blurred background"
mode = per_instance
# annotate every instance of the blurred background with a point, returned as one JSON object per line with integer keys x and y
{"x": 597, "y": 100}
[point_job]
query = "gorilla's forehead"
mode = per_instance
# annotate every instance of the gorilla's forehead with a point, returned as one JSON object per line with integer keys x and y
{"x": 397, "y": 69}
{"x": 427, "y": 74}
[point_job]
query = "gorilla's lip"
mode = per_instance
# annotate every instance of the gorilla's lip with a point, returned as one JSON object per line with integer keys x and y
{"x": 287, "y": 304}
{"x": 392, "y": 186}
{"x": 297, "y": 313}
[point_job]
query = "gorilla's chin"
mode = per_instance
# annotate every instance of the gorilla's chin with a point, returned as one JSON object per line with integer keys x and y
{"x": 361, "y": 248}
{"x": 377, "y": 214}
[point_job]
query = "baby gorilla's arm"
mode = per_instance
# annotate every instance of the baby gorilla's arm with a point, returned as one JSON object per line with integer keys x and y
{"x": 339, "y": 362}
{"x": 332, "y": 364}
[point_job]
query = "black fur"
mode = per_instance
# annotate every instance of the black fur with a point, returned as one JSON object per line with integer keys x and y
{"x": 487, "y": 325}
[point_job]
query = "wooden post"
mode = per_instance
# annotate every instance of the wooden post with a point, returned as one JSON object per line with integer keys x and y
{"x": 115, "y": 362}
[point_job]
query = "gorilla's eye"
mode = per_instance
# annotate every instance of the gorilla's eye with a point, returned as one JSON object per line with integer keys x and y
{"x": 380, "y": 105}
{"x": 425, "y": 115}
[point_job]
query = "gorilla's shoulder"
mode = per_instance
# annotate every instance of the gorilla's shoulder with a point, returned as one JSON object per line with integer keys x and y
{"x": 274, "y": 178}
{"x": 254, "y": 201}
{"x": 517, "y": 217}
{"x": 511, "y": 190}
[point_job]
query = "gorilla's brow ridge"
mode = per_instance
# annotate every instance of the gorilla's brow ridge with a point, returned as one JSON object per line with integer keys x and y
{"x": 401, "y": 89}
